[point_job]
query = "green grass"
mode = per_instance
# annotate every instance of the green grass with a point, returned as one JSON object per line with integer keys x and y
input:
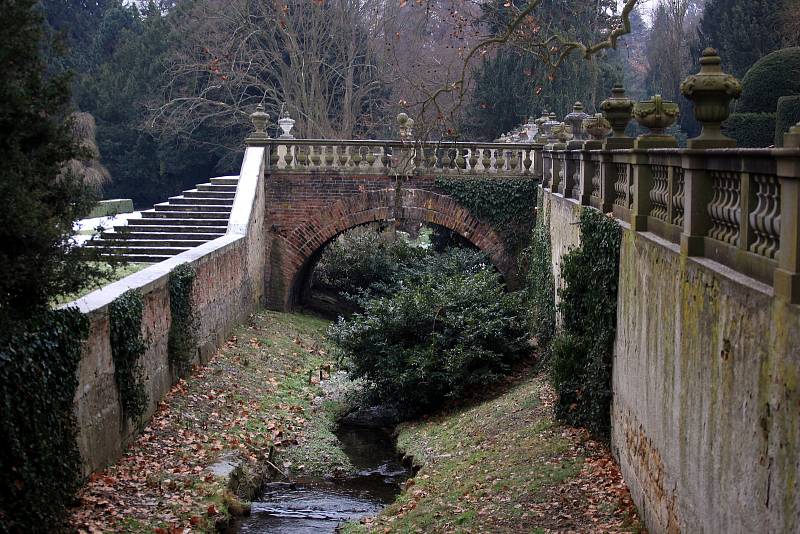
{"x": 111, "y": 275}
{"x": 492, "y": 467}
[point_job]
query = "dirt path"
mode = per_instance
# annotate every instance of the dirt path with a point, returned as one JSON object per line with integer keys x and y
{"x": 506, "y": 466}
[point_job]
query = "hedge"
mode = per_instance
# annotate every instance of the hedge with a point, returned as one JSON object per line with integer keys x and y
{"x": 751, "y": 130}
{"x": 773, "y": 76}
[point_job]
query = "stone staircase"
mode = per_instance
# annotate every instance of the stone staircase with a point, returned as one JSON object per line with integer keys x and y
{"x": 197, "y": 216}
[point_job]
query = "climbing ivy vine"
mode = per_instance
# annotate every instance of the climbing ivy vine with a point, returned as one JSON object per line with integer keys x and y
{"x": 127, "y": 348}
{"x": 505, "y": 203}
{"x": 537, "y": 260}
{"x": 582, "y": 352}
{"x": 39, "y": 458}
{"x": 184, "y": 326}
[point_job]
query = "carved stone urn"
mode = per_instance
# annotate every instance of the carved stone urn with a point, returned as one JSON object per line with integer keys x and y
{"x": 617, "y": 110}
{"x": 561, "y": 132}
{"x": 541, "y": 135}
{"x": 656, "y": 115}
{"x": 406, "y": 127}
{"x": 575, "y": 120}
{"x": 548, "y": 126}
{"x": 597, "y": 127}
{"x": 259, "y": 119}
{"x": 286, "y": 123}
{"x": 711, "y": 90}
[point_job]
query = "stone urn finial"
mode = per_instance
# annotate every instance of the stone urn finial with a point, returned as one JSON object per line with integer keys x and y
{"x": 598, "y": 127}
{"x": 561, "y": 132}
{"x": 711, "y": 90}
{"x": 617, "y": 109}
{"x": 286, "y": 123}
{"x": 575, "y": 120}
{"x": 259, "y": 119}
{"x": 406, "y": 126}
{"x": 656, "y": 115}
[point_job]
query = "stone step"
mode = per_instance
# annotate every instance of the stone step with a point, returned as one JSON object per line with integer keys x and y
{"x": 200, "y": 201}
{"x": 136, "y": 258}
{"x": 206, "y": 226}
{"x": 144, "y": 250}
{"x": 215, "y": 187}
{"x": 225, "y": 180}
{"x": 194, "y": 193}
{"x": 168, "y": 206}
{"x": 136, "y": 242}
{"x": 220, "y": 217}
{"x": 176, "y": 235}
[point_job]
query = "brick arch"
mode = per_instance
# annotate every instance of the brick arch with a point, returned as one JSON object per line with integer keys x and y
{"x": 299, "y": 246}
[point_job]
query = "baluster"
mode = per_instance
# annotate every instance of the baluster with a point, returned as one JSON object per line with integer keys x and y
{"x": 274, "y": 157}
{"x": 678, "y": 196}
{"x": 527, "y": 161}
{"x": 315, "y": 155}
{"x": 355, "y": 156}
{"x": 512, "y": 161}
{"x": 288, "y": 157}
{"x": 473, "y": 158}
{"x": 499, "y": 161}
{"x": 486, "y": 159}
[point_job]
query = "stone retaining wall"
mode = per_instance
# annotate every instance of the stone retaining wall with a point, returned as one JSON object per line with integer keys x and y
{"x": 229, "y": 285}
{"x": 706, "y": 410}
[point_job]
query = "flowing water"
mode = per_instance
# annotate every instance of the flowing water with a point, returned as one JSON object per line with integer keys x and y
{"x": 316, "y": 506}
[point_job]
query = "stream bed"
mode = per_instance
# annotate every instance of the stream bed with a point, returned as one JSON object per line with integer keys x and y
{"x": 320, "y": 505}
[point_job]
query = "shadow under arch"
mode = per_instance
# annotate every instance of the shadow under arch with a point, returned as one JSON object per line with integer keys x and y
{"x": 295, "y": 251}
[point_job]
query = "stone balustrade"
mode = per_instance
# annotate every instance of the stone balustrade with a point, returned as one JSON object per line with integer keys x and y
{"x": 738, "y": 207}
{"x": 400, "y": 157}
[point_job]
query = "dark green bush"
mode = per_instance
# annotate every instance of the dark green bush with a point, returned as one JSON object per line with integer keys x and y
{"x": 582, "y": 353}
{"x": 540, "y": 283}
{"x": 127, "y": 347}
{"x": 39, "y": 459}
{"x": 439, "y": 335}
{"x": 788, "y": 115}
{"x": 775, "y": 75}
{"x": 751, "y": 130}
{"x": 362, "y": 257}
{"x": 182, "y": 343}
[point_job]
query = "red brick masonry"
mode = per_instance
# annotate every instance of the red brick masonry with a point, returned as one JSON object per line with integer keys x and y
{"x": 306, "y": 211}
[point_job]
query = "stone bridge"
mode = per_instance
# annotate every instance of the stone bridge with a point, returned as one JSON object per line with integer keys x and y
{"x": 315, "y": 190}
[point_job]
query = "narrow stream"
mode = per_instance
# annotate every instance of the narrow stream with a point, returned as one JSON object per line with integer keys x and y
{"x": 321, "y": 505}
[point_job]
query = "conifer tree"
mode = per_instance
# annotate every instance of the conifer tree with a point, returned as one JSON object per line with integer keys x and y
{"x": 38, "y": 259}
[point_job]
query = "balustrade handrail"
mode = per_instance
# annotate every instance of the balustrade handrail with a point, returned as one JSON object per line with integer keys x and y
{"x": 736, "y": 206}
{"x": 396, "y": 143}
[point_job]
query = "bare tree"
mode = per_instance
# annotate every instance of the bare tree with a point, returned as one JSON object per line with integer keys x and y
{"x": 315, "y": 60}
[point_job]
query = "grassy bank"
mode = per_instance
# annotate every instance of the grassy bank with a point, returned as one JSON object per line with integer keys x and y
{"x": 506, "y": 466}
{"x": 253, "y": 397}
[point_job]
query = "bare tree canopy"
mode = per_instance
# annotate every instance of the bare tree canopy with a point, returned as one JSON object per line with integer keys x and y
{"x": 342, "y": 68}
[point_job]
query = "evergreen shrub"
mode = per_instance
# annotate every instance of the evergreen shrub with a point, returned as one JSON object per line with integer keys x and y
{"x": 441, "y": 334}
{"x": 582, "y": 352}
{"x": 39, "y": 458}
{"x": 775, "y": 75}
{"x": 751, "y": 130}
